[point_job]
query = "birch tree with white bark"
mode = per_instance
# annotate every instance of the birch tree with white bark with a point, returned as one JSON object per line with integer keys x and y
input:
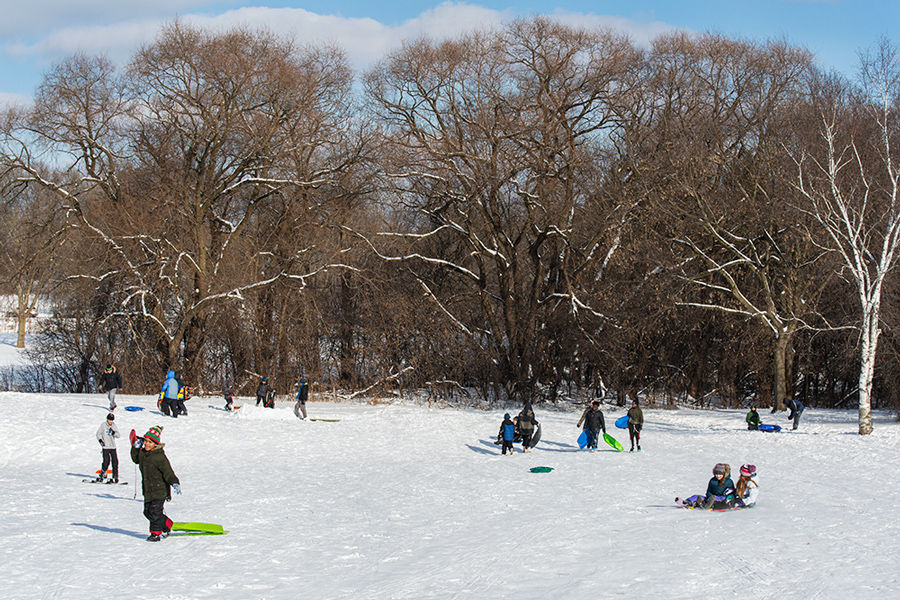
{"x": 850, "y": 181}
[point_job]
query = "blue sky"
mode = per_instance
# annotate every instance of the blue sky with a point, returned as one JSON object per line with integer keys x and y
{"x": 35, "y": 33}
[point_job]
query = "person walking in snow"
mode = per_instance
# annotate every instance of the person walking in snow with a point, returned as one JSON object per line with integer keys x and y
{"x": 262, "y": 392}
{"x": 507, "y": 435}
{"x": 157, "y": 479}
{"x": 106, "y": 435}
{"x": 110, "y": 381}
{"x": 525, "y": 422}
{"x": 229, "y": 396}
{"x": 753, "y": 420}
{"x": 170, "y": 395}
{"x": 302, "y": 397}
{"x": 635, "y": 424}
{"x": 180, "y": 408}
{"x": 796, "y": 409}
{"x": 592, "y": 417}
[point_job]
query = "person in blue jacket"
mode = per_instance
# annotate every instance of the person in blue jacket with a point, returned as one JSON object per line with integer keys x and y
{"x": 507, "y": 434}
{"x": 170, "y": 395}
{"x": 796, "y": 409}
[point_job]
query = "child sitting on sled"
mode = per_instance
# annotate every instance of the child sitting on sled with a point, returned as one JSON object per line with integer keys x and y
{"x": 747, "y": 489}
{"x": 719, "y": 492}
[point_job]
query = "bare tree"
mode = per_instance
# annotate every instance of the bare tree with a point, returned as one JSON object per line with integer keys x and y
{"x": 850, "y": 181}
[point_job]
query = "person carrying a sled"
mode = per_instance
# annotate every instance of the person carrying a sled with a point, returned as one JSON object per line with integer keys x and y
{"x": 635, "y": 424}
{"x": 170, "y": 389}
{"x": 182, "y": 395}
{"x": 753, "y": 420}
{"x": 157, "y": 479}
{"x": 507, "y": 434}
{"x": 302, "y": 397}
{"x": 525, "y": 423}
{"x": 262, "y": 392}
{"x": 796, "y": 409}
{"x": 592, "y": 417}
{"x": 106, "y": 435}
{"x": 110, "y": 381}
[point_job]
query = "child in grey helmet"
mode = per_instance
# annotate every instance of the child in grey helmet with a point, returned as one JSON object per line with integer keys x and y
{"x": 106, "y": 435}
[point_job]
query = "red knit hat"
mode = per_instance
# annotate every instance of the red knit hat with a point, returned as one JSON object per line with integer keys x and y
{"x": 154, "y": 433}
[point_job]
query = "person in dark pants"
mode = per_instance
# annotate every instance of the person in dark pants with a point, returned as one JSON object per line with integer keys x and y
{"x": 796, "y": 409}
{"x": 525, "y": 421}
{"x": 110, "y": 381}
{"x": 592, "y": 417}
{"x": 635, "y": 425}
{"x": 229, "y": 396}
{"x": 302, "y": 397}
{"x": 106, "y": 435}
{"x": 170, "y": 388}
{"x": 262, "y": 392}
{"x": 507, "y": 434}
{"x": 157, "y": 479}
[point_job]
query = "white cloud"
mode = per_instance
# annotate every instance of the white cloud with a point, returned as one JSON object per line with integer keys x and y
{"x": 7, "y": 100}
{"x": 364, "y": 39}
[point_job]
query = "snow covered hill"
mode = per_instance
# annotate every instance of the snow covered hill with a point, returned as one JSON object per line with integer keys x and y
{"x": 403, "y": 501}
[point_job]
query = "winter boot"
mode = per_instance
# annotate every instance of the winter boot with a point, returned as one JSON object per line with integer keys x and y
{"x": 153, "y": 537}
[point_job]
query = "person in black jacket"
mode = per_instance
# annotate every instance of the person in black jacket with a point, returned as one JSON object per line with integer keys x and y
{"x": 302, "y": 397}
{"x": 593, "y": 424}
{"x": 262, "y": 392}
{"x": 110, "y": 381}
{"x": 525, "y": 422}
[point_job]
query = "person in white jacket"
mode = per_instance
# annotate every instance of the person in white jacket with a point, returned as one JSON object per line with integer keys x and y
{"x": 106, "y": 435}
{"x": 746, "y": 489}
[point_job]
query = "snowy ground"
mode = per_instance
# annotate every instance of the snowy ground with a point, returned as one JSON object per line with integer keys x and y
{"x": 398, "y": 501}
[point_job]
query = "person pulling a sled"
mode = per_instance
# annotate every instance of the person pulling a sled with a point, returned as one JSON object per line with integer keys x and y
{"x": 157, "y": 478}
{"x": 106, "y": 435}
{"x": 753, "y": 420}
{"x": 507, "y": 434}
{"x": 592, "y": 417}
{"x": 635, "y": 424}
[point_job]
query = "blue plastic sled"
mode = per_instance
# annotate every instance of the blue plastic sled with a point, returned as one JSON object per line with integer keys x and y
{"x": 134, "y": 408}
{"x": 583, "y": 439}
{"x": 770, "y": 427}
{"x": 622, "y": 422}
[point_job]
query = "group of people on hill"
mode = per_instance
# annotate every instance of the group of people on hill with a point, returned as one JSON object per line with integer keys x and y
{"x": 593, "y": 423}
{"x": 519, "y": 428}
{"x": 795, "y": 408}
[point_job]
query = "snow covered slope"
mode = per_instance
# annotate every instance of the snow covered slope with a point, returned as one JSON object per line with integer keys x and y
{"x": 398, "y": 501}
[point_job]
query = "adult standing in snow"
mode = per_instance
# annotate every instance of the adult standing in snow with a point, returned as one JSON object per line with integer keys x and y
{"x": 157, "y": 478}
{"x": 592, "y": 417}
{"x": 170, "y": 395}
{"x": 796, "y": 409}
{"x": 229, "y": 396}
{"x": 525, "y": 422}
{"x": 110, "y": 381}
{"x": 106, "y": 435}
{"x": 302, "y": 397}
{"x": 635, "y": 424}
{"x": 753, "y": 420}
{"x": 262, "y": 392}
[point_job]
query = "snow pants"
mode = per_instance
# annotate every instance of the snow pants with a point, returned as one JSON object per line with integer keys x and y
{"x": 159, "y": 522}
{"x": 507, "y": 445}
{"x": 229, "y": 400}
{"x": 110, "y": 456}
{"x": 634, "y": 434}
{"x": 797, "y": 419}
{"x": 111, "y": 395}
{"x": 593, "y": 438}
{"x": 300, "y": 409}
{"x": 170, "y": 407}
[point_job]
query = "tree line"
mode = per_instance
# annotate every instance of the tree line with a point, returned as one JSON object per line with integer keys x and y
{"x": 516, "y": 213}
